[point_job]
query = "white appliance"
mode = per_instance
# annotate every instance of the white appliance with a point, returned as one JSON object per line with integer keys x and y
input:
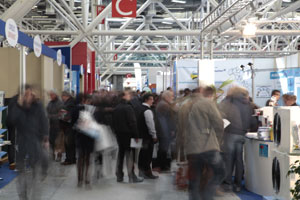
{"x": 267, "y": 114}
{"x": 280, "y": 181}
{"x": 286, "y": 128}
{"x": 258, "y": 157}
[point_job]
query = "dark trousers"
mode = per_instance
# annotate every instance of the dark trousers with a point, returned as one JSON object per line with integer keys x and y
{"x": 211, "y": 160}
{"x": 233, "y": 147}
{"x": 145, "y": 156}
{"x": 69, "y": 141}
{"x": 53, "y": 133}
{"x": 162, "y": 160}
{"x": 125, "y": 151}
{"x": 12, "y": 147}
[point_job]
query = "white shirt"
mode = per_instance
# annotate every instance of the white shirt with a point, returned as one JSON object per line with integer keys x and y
{"x": 149, "y": 118}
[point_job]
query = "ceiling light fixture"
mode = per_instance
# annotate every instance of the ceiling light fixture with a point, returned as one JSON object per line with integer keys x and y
{"x": 167, "y": 22}
{"x": 249, "y": 30}
{"x": 179, "y": 1}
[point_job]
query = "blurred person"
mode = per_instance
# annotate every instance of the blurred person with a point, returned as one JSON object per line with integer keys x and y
{"x": 136, "y": 103}
{"x": 202, "y": 137}
{"x": 289, "y": 100}
{"x": 28, "y": 117}
{"x": 84, "y": 143}
{"x": 166, "y": 126}
{"x": 181, "y": 93}
{"x": 186, "y": 92}
{"x": 53, "y": 109}
{"x": 209, "y": 92}
{"x": 236, "y": 108}
{"x": 148, "y": 133}
{"x": 66, "y": 126}
{"x": 104, "y": 104}
{"x": 125, "y": 126}
{"x": 138, "y": 92}
{"x": 275, "y": 96}
{"x": 169, "y": 89}
{"x": 183, "y": 114}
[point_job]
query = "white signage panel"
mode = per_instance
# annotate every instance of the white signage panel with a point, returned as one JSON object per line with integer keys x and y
{"x": 11, "y": 32}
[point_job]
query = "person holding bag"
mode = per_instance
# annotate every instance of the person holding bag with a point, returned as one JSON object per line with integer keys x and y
{"x": 204, "y": 131}
{"x": 125, "y": 126}
{"x": 84, "y": 142}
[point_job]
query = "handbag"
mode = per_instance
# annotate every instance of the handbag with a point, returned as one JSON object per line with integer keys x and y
{"x": 107, "y": 140}
{"x": 86, "y": 123}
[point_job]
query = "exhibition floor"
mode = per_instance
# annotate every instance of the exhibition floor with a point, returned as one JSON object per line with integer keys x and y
{"x": 61, "y": 184}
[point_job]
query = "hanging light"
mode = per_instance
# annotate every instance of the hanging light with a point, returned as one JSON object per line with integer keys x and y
{"x": 249, "y": 30}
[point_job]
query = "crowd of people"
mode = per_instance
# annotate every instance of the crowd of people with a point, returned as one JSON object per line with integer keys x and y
{"x": 189, "y": 128}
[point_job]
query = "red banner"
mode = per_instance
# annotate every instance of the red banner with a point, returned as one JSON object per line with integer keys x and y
{"x": 124, "y": 8}
{"x": 100, "y": 8}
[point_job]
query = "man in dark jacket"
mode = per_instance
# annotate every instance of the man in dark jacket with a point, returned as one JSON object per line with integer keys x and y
{"x": 28, "y": 117}
{"x": 66, "y": 126}
{"x": 125, "y": 126}
{"x": 53, "y": 109}
{"x": 148, "y": 134}
{"x": 236, "y": 108}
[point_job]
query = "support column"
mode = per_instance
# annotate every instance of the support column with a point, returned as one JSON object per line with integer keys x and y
{"x": 46, "y": 76}
{"x": 22, "y": 69}
{"x": 85, "y": 12}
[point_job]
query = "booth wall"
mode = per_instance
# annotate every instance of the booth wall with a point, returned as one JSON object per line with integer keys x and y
{"x": 58, "y": 77}
{"x": 33, "y": 71}
{"x": 9, "y": 71}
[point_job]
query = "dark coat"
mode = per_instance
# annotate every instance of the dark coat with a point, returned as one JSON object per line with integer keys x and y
{"x": 53, "y": 108}
{"x": 32, "y": 128}
{"x": 238, "y": 111}
{"x": 69, "y": 105}
{"x": 125, "y": 123}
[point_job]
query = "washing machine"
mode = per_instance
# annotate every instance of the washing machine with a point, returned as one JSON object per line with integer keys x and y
{"x": 280, "y": 181}
{"x": 286, "y": 129}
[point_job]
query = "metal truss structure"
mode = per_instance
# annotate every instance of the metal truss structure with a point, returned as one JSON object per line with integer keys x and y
{"x": 163, "y": 29}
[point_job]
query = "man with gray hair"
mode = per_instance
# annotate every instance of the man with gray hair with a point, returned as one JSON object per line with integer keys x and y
{"x": 166, "y": 125}
{"x": 53, "y": 108}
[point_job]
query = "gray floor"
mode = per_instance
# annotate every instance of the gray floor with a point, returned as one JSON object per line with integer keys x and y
{"x": 61, "y": 185}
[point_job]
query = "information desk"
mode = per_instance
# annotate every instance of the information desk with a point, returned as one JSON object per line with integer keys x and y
{"x": 258, "y": 166}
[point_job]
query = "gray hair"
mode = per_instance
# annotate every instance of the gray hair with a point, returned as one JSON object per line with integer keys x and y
{"x": 167, "y": 94}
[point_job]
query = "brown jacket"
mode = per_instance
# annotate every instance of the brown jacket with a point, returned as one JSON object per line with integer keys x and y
{"x": 204, "y": 127}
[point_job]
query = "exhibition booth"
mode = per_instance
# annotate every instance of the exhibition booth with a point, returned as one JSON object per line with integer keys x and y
{"x": 269, "y": 152}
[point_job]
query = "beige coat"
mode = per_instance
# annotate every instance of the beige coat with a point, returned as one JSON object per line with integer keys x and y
{"x": 204, "y": 127}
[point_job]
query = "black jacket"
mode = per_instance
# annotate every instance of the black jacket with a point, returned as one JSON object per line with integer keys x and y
{"x": 69, "y": 105}
{"x": 238, "y": 111}
{"x": 124, "y": 122}
{"x": 143, "y": 128}
{"x": 31, "y": 124}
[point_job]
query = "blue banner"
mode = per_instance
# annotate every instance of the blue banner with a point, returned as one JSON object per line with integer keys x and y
{"x": 285, "y": 74}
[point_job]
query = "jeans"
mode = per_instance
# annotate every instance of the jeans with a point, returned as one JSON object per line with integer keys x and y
{"x": 210, "y": 161}
{"x": 233, "y": 149}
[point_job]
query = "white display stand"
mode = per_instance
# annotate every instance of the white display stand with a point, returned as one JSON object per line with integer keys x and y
{"x": 258, "y": 169}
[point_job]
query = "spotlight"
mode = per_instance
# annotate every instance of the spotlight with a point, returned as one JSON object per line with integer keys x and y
{"x": 249, "y": 30}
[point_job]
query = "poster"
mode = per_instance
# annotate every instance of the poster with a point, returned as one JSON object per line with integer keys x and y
{"x": 187, "y": 74}
{"x": 263, "y": 91}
